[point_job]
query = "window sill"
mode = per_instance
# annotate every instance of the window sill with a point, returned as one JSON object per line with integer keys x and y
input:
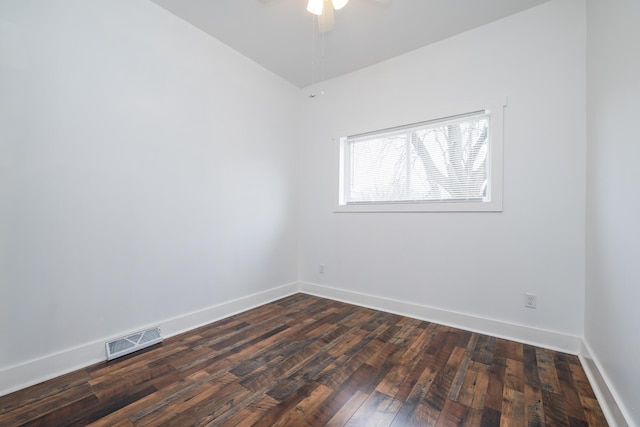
{"x": 420, "y": 207}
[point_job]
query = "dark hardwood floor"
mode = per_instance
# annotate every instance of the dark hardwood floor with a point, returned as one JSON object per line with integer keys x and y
{"x": 308, "y": 361}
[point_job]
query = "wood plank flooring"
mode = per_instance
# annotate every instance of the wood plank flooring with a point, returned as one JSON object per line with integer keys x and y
{"x": 308, "y": 361}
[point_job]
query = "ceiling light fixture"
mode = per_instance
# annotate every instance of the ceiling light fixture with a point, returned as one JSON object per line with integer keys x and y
{"x": 339, "y": 4}
{"x": 316, "y": 6}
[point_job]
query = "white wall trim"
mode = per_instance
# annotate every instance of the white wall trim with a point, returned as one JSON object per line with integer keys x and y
{"x": 37, "y": 370}
{"x": 520, "y": 333}
{"x": 45, "y": 368}
{"x": 608, "y": 398}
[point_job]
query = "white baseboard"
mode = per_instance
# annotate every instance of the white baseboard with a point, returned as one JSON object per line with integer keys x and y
{"x": 35, "y": 371}
{"x": 614, "y": 411}
{"x": 524, "y": 334}
{"x": 45, "y": 368}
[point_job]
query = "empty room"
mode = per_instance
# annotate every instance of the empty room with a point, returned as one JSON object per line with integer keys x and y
{"x": 319, "y": 212}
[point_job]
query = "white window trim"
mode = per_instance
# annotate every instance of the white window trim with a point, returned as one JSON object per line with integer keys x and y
{"x": 496, "y": 109}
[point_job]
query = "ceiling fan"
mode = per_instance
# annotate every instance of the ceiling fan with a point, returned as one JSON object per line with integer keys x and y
{"x": 323, "y": 10}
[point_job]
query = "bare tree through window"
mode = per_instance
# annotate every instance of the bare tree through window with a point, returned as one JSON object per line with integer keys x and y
{"x": 446, "y": 161}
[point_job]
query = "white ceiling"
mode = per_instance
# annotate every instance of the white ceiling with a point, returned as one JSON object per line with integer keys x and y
{"x": 279, "y": 34}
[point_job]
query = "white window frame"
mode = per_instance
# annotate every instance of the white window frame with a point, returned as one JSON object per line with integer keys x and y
{"x": 493, "y": 202}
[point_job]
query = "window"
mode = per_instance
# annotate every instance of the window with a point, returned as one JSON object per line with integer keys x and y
{"x": 438, "y": 165}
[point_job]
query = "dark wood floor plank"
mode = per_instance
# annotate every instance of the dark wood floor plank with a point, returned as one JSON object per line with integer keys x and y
{"x": 514, "y": 375}
{"x": 43, "y": 390}
{"x": 313, "y": 326}
{"x": 279, "y": 367}
{"x": 400, "y": 379}
{"x": 164, "y": 413}
{"x": 62, "y": 416}
{"x": 533, "y": 409}
{"x": 209, "y": 337}
{"x": 145, "y": 376}
{"x": 493, "y": 399}
{"x": 343, "y": 367}
{"x": 422, "y": 415}
{"x": 41, "y": 408}
{"x": 442, "y": 382}
{"x": 547, "y": 371}
{"x": 415, "y": 399}
{"x": 408, "y": 383}
{"x": 453, "y": 414}
{"x": 347, "y": 410}
{"x": 251, "y": 414}
{"x": 580, "y": 380}
{"x": 572, "y": 403}
{"x": 359, "y": 380}
{"x": 107, "y": 371}
{"x": 421, "y": 341}
{"x": 377, "y": 410}
{"x": 211, "y": 407}
{"x": 295, "y": 415}
{"x": 490, "y": 418}
{"x": 474, "y": 387}
{"x": 512, "y": 413}
{"x": 508, "y": 349}
{"x": 286, "y": 403}
{"x": 472, "y": 418}
{"x": 531, "y": 376}
{"x": 409, "y": 329}
{"x": 153, "y": 402}
{"x": 309, "y": 361}
{"x": 346, "y": 342}
{"x": 178, "y": 403}
{"x": 96, "y": 410}
{"x": 483, "y": 352}
{"x": 359, "y": 315}
{"x": 554, "y": 409}
{"x": 458, "y": 380}
{"x": 593, "y": 413}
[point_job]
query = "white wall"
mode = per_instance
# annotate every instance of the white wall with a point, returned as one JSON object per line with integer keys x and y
{"x": 146, "y": 171}
{"x": 613, "y": 198}
{"x": 479, "y": 264}
{"x": 143, "y": 161}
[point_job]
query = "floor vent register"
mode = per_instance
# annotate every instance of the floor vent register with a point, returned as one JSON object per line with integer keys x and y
{"x": 133, "y": 342}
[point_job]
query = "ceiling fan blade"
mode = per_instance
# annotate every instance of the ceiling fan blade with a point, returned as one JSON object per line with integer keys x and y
{"x": 325, "y": 21}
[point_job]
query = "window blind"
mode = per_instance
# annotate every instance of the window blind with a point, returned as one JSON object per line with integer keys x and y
{"x": 444, "y": 160}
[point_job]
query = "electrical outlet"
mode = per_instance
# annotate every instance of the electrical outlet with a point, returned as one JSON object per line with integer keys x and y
{"x": 530, "y": 300}
{"x": 321, "y": 269}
